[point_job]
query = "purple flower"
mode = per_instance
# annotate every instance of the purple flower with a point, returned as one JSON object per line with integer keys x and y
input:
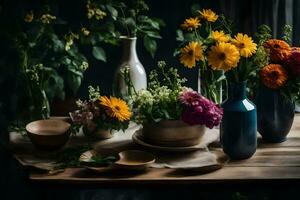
{"x": 199, "y": 110}
{"x": 293, "y": 63}
{"x": 81, "y": 117}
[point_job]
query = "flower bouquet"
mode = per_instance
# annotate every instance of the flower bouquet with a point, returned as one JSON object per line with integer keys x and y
{"x": 171, "y": 114}
{"x": 195, "y": 43}
{"x": 100, "y": 115}
{"x": 279, "y": 88}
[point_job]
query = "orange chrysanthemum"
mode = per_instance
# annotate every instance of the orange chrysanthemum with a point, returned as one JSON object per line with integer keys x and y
{"x": 273, "y": 76}
{"x": 295, "y": 48}
{"x": 279, "y": 49}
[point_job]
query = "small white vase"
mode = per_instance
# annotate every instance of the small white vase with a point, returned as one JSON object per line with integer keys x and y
{"x": 136, "y": 70}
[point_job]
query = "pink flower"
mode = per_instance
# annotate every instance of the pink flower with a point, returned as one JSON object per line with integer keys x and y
{"x": 199, "y": 110}
{"x": 293, "y": 63}
{"x": 189, "y": 98}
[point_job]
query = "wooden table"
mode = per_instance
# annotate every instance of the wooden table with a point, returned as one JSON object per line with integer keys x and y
{"x": 271, "y": 162}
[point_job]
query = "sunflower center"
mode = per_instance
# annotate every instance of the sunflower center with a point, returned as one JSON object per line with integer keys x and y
{"x": 222, "y": 56}
{"x": 241, "y": 45}
{"x": 117, "y": 108}
{"x": 190, "y": 52}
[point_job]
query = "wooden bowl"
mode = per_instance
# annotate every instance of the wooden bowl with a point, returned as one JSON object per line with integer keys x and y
{"x": 173, "y": 133}
{"x": 48, "y": 134}
{"x": 134, "y": 159}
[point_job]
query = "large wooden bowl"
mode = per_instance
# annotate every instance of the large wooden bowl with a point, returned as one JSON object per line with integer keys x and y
{"x": 48, "y": 134}
{"x": 173, "y": 133}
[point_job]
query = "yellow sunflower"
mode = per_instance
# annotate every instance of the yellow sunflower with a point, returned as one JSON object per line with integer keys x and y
{"x": 191, "y": 24}
{"x": 190, "y": 54}
{"x": 219, "y": 36}
{"x": 208, "y": 15}
{"x": 223, "y": 56}
{"x": 116, "y": 108}
{"x": 245, "y": 45}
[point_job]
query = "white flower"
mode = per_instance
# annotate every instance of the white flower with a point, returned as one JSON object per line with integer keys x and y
{"x": 84, "y": 65}
{"x": 162, "y": 94}
{"x": 144, "y": 97}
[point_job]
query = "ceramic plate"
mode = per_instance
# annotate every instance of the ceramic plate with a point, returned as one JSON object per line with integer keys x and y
{"x": 134, "y": 159}
{"x": 207, "y": 138}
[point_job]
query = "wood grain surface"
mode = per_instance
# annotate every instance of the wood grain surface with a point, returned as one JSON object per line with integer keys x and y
{"x": 271, "y": 162}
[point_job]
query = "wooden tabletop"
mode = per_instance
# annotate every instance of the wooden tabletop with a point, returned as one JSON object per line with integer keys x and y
{"x": 271, "y": 162}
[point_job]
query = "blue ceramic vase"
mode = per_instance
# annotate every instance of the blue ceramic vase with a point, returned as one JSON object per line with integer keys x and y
{"x": 275, "y": 115}
{"x": 238, "y": 131}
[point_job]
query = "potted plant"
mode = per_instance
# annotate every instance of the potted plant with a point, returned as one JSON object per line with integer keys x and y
{"x": 171, "y": 114}
{"x": 100, "y": 116}
{"x": 49, "y": 61}
{"x": 279, "y": 88}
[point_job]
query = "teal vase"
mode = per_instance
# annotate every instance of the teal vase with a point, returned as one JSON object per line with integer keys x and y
{"x": 238, "y": 131}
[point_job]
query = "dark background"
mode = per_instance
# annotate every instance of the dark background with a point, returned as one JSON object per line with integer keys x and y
{"x": 247, "y": 15}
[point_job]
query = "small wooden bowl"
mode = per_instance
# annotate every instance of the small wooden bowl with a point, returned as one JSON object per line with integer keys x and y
{"x": 48, "y": 134}
{"x": 134, "y": 159}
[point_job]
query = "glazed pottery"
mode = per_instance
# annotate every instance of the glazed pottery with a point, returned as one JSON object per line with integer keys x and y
{"x": 173, "y": 133}
{"x": 275, "y": 115}
{"x": 238, "y": 131}
{"x": 48, "y": 134}
{"x": 136, "y": 70}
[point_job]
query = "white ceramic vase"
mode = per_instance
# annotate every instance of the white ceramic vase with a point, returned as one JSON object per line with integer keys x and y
{"x": 137, "y": 72}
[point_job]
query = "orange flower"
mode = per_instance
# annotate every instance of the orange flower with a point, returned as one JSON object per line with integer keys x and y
{"x": 279, "y": 49}
{"x": 295, "y": 48}
{"x": 273, "y": 76}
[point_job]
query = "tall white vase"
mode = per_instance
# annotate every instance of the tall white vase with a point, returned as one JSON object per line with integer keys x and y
{"x": 137, "y": 72}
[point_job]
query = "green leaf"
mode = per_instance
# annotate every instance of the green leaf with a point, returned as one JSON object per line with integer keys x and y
{"x": 74, "y": 82}
{"x": 99, "y": 53}
{"x": 130, "y": 23}
{"x": 153, "y": 34}
{"x": 113, "y": 11}
{"x": 150, "y": 45}
{"x": 179, "y": 36}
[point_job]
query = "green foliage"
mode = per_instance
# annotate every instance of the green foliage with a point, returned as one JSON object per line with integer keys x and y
{"x": 263, "y": 33}
{"x": 70, "y": 157}
{"x": 160, "y": 100}
{"x": 99, "y": 53}
{"x": 287, "y": 33}
{"x": 49, "y": 61}
{"x": 127, "y": 18}
{"x": 134, "y": 22}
